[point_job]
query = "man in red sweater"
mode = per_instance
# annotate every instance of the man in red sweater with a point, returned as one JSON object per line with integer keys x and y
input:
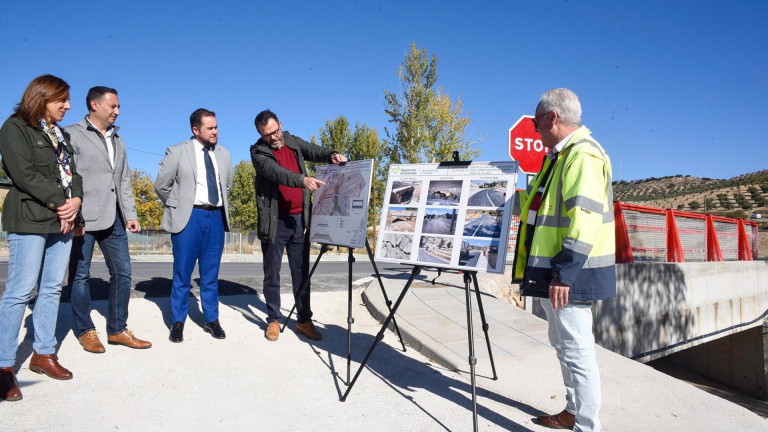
{"x": 283, "y": 201}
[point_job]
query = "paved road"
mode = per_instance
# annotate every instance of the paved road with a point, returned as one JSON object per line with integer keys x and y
{"x": 153, "y": 279}
{"x": 425, "y": 256}
{"x": 487, "y": 197}
{"x": 484, "y": 225}
{"x": 437, "y": 226}
{"x": 475, "y": 259}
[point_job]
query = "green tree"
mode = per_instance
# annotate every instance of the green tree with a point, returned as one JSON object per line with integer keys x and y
{"x": 242, "y": 197}
{"x": 428, "y": 126}
{"x": 148, "y": 205}
{"x": 694, "y": 205}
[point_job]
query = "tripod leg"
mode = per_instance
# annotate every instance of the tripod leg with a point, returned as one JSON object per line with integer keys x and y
{"x": 387, "y": 301}
{"x": 485, "y": 324}
{"x": 415, "y": 272}
{"x": 471, "y": 339}
{"x": 304, "y": 285}
{"x": 350, "y": 320}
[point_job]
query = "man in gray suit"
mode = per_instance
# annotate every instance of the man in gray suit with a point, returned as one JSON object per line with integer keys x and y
{"x": 193, "y": 182}
{"x": 109, "y": 208}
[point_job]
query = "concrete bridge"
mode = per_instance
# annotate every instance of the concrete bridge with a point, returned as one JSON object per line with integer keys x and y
{"x": 717, "y": 308}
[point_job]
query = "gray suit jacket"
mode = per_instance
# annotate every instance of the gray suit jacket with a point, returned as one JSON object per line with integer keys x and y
{"x": 103, "y": 186}
{"x": 177, "y": 179}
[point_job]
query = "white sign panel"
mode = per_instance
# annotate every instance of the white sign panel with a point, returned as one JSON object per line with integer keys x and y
{"x": 340, "y": 208}
{"x": 453, "y": 216}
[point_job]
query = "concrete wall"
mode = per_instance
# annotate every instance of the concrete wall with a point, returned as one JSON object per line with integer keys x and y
{"x": 662, "y": 308}
{"x": 737, "y": 361}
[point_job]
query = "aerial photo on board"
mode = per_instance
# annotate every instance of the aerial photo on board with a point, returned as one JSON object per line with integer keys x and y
{"x": 487, "y": 193}
{"x": 483, "y": 223}
{"x": 405, "y": 192}
{"x": 342, "y": 192}
{"x": 444, "y": 192}
{"x": 433, "y": 249}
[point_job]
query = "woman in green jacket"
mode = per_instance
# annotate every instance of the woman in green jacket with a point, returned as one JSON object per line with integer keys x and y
{"x": 40, "y": 213}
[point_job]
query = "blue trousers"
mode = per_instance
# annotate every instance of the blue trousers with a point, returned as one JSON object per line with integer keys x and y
{"x": 201, "y": 241}
{"x": 113, "y": 242}
{"x": 35, "y": 259}
{"x": 292, "y": 239}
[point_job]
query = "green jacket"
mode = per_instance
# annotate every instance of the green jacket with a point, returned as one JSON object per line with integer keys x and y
{"x": 269, "y": 175}
{"x": 30, "y": 162}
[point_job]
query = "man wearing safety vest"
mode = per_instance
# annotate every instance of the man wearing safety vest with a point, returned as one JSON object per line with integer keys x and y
{"x": 566, "y": 250}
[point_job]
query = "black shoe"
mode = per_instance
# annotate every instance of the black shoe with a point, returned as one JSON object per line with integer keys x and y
{"x": 177, "y": 332}
{"x": 214, "y": 328}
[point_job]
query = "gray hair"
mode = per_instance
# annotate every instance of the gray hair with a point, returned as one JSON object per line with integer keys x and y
{"x": 565, "y": 103}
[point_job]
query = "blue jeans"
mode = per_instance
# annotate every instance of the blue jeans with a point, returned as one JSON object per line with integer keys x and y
{"x": 570, "y": 333}
{"x": 291, "y": 238}
{"x": 202, "y": 241}
{"x": 114, "y": 246}
{"x": 34, "y": 259}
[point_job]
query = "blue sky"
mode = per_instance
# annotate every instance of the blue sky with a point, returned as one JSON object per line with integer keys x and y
{"x": 668, "y": 87}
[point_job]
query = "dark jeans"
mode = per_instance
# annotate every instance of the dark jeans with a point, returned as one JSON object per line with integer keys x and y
{"x": 114, "y": 246}
{"x": 291, "y": 238}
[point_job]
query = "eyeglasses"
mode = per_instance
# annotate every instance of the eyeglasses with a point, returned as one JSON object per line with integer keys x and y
{"x": 536, "y": 121}
{"x": 274, "y": 133}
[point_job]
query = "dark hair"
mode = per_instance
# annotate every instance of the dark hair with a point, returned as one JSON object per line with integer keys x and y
{"x": 196, "y": 119}
{"x": 96, "y": 93}
{"x": 39, "y": 92}
{"x": 263, "y": 117}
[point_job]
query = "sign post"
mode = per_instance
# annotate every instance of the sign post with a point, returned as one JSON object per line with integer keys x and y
{"x": 525, "y": 145}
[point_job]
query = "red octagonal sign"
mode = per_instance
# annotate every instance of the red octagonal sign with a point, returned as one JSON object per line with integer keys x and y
{"x": 525, "y": 145}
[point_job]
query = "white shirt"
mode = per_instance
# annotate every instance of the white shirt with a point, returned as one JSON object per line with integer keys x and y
{"x": 108, "y": 139}
{"x": 201, "y": 191}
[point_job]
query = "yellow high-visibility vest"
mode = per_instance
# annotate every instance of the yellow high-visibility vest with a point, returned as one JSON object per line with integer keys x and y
{"x": 574, "y": 235}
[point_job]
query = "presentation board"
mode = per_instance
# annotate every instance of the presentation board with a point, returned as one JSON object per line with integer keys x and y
{"x": 448, "y": 216}
{"x": 340, "y": 208}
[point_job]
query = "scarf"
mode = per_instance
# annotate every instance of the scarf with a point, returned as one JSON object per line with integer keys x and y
{"x": 63, "y": 158}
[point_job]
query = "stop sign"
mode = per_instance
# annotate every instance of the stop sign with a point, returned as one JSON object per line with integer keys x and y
{"x": 525, "y": 145}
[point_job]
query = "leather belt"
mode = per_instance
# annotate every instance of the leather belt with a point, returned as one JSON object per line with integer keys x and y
{"x": 206, "y": 207}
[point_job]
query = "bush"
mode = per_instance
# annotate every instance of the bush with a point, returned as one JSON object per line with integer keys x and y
{"x": 694, "y": 205}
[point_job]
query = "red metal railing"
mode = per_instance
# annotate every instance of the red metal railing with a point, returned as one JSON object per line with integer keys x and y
{"x": 666, "y": 235}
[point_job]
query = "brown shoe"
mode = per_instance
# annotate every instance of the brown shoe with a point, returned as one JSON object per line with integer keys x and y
{"x": 91, "y": 343}
{"x": 308, "y": 329}
{"x": 128, "y": 339}
{"x": 9, "y": 388}
{"x": 49, "y": 365}
{"x": 564, "y": 420}
{"x": 273, "y": 331}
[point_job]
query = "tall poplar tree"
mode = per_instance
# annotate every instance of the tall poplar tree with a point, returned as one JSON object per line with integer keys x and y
{"x": 427, "y": 125}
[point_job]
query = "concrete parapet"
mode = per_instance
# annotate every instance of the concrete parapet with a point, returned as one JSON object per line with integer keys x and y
{"x": 662, "y": 308}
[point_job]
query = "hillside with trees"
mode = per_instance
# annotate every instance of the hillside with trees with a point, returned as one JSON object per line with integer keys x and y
{"x": 739, "y": 197}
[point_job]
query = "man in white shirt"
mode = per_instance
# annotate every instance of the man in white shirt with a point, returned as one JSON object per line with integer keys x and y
{"x": 109, "y": 209}
{"x": 193, "y": 182}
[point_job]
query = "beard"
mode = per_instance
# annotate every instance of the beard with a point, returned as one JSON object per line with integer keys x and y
{"x": 208, "y": 142}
